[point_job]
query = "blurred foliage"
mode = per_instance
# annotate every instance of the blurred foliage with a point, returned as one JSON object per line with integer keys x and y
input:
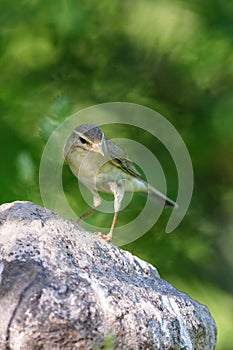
{"x": 176, "y": 57}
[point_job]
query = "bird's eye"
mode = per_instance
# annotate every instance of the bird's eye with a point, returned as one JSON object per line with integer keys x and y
{"x": 83, "y": 140}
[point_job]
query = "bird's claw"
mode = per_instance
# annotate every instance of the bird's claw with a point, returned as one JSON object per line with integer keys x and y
{"x": 107, "y": 238}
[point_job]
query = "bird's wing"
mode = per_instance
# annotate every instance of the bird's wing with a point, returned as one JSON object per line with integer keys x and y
{"x": 120, "y": 159}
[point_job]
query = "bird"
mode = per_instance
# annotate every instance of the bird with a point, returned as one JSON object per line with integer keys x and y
{"x": 102, "y": 166}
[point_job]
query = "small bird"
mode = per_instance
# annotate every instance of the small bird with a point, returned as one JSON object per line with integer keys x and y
{"x": 103, "y": 166}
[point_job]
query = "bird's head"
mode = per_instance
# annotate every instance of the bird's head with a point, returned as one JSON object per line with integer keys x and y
{"x": 87, "y": 137}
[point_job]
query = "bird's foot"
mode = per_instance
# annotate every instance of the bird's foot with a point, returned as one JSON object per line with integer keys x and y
{"x": 107, "y": 237}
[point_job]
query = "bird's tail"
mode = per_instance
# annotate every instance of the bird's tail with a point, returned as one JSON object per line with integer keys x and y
{"x": 160, "y": 198}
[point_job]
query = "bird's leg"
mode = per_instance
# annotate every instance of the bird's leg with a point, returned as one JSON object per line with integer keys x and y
{"x": 108, "y": 237}
{"x": 118, "y": 192}
{"x": 88, "y": 212}
{"x": 96, "y": 203}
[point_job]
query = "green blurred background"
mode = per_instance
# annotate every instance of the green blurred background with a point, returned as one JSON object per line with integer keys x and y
{"x": 175, "y": 57}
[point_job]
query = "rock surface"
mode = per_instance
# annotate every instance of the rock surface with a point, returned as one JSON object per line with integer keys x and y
{"x": 64, "y": 288}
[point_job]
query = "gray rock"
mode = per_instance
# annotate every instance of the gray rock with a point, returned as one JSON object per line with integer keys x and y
{"x": 64, "y": 288}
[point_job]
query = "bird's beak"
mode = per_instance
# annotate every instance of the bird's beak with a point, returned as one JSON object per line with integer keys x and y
{"x": 98, "y": 147}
